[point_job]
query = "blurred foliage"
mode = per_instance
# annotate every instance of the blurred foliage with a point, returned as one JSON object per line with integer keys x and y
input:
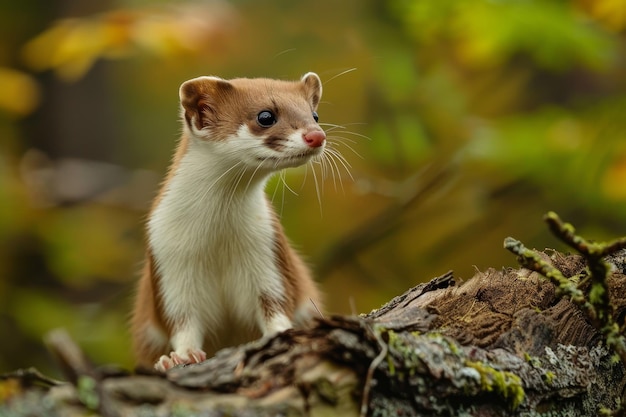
{"x": 71, "y": 46}
{"x": 461, "y": 121}
{"x": 20, "y": 93}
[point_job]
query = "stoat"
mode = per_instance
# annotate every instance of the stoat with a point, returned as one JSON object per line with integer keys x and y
{"x": 219, "y": 270}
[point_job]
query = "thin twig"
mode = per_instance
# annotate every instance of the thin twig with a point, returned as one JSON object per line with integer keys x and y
{"x": 567, "y": 234}
{"x": 384, "y": 350}
{"x": 531, "y": 260}
{"x": 596, "y": 303}
{"x": 30, "y": 377}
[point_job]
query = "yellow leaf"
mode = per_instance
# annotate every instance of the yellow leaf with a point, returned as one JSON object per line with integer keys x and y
{"x": 38, "y": 53}
{"x": 71, "y": 46}
{"x": 118, "y": 28}
{"x": 612, "y": 13}
{"x": 614, "y": 181}
{"x": 9, "y": 388}
{"x": 80, "y": 48}
{"x": 20, "y": 93}
{"x": 158, "y": 35}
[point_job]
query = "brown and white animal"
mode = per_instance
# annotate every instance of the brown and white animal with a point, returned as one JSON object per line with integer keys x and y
{"x": 219, "y": 270}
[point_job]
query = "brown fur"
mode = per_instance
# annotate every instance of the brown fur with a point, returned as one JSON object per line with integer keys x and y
{"x": 299, "y": 286}
{"x": 148, "y": 310}
{"x": 217, "y": 105}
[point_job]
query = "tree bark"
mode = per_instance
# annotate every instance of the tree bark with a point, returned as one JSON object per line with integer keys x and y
{"x": 503, "y": 343}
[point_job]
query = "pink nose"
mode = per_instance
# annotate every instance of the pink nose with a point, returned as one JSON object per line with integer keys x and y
{"x": 314, "y": 138}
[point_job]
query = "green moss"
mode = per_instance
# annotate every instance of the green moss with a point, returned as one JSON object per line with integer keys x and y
{"x": 533, "y": 361}
{"x": 506, "y": 384}
{"x": 434, "y": 335}
{"x": 403, "y": 358}
{"x": 606, "y": 411}
{"x": 87, "y": 393}
{"x": 597, "y": 293}
{"x": 402, "y": 354}
{"x": 407, "y": 353}
{"x": 548, "y": 377}
{"x": 454, "y": 348}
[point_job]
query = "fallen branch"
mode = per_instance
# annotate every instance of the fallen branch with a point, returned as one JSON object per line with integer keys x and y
{"x": 505, "y": 342}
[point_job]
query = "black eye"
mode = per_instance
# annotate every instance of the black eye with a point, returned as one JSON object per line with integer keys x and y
{"x": 266, "y": 118}
{"x": 316, "y": 117}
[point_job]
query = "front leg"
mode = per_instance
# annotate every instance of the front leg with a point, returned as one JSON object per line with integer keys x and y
{"x": 186, "y": 340}
{"x": 272, "y": 317}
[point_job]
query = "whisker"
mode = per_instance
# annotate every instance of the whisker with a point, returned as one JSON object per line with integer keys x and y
{"x": 336, "y": 126}
{"x": 317, "y": 189}
{"x": 284, "y": 179}
{"x": 276, "y": 187}
{"x": 341, "y": 160}
{"x": 327, "y": 166}
{"x": 231, "y": 198}
{"x": 341, "y": 139}
{"x": 281, "y": 177}
{"x": 339, "y": 75}
{"x": 360, "y": 135}
{"x": 331, "y": 126}
{"x": 305, "y": 176}
{"x": 252, "y": 176}
{"x": 323, "y": 164}
{"x": 340, "y": 155}
{"x": 209, "y": 189}
{"x": 332, "y": 165}
{"x": 338, "y": 160}
{"x": 342, "y": 125}
{"x": 342, "y": 143}
{"x": 286, "y": 51}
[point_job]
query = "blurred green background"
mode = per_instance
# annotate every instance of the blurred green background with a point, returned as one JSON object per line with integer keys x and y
{"x": 461, "y": 122}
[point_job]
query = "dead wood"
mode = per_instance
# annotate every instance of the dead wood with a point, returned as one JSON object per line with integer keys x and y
{"x": 503, "y": 343}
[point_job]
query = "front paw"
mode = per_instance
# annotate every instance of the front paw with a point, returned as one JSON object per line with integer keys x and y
{"x": 189, "y": 356}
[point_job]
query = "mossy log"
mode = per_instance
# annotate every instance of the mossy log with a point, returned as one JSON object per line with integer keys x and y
{"x": 503, "y": 343}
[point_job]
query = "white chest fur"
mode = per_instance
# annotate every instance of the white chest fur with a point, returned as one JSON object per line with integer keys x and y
{"x": 212, "y": 237}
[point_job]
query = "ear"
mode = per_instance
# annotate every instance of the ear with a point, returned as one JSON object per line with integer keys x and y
{"x": 313, "y": 88}
{"x": 200, "y": 97}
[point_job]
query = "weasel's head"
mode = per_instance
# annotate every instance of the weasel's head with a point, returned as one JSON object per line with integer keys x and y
{"x": 264, "y": 123}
